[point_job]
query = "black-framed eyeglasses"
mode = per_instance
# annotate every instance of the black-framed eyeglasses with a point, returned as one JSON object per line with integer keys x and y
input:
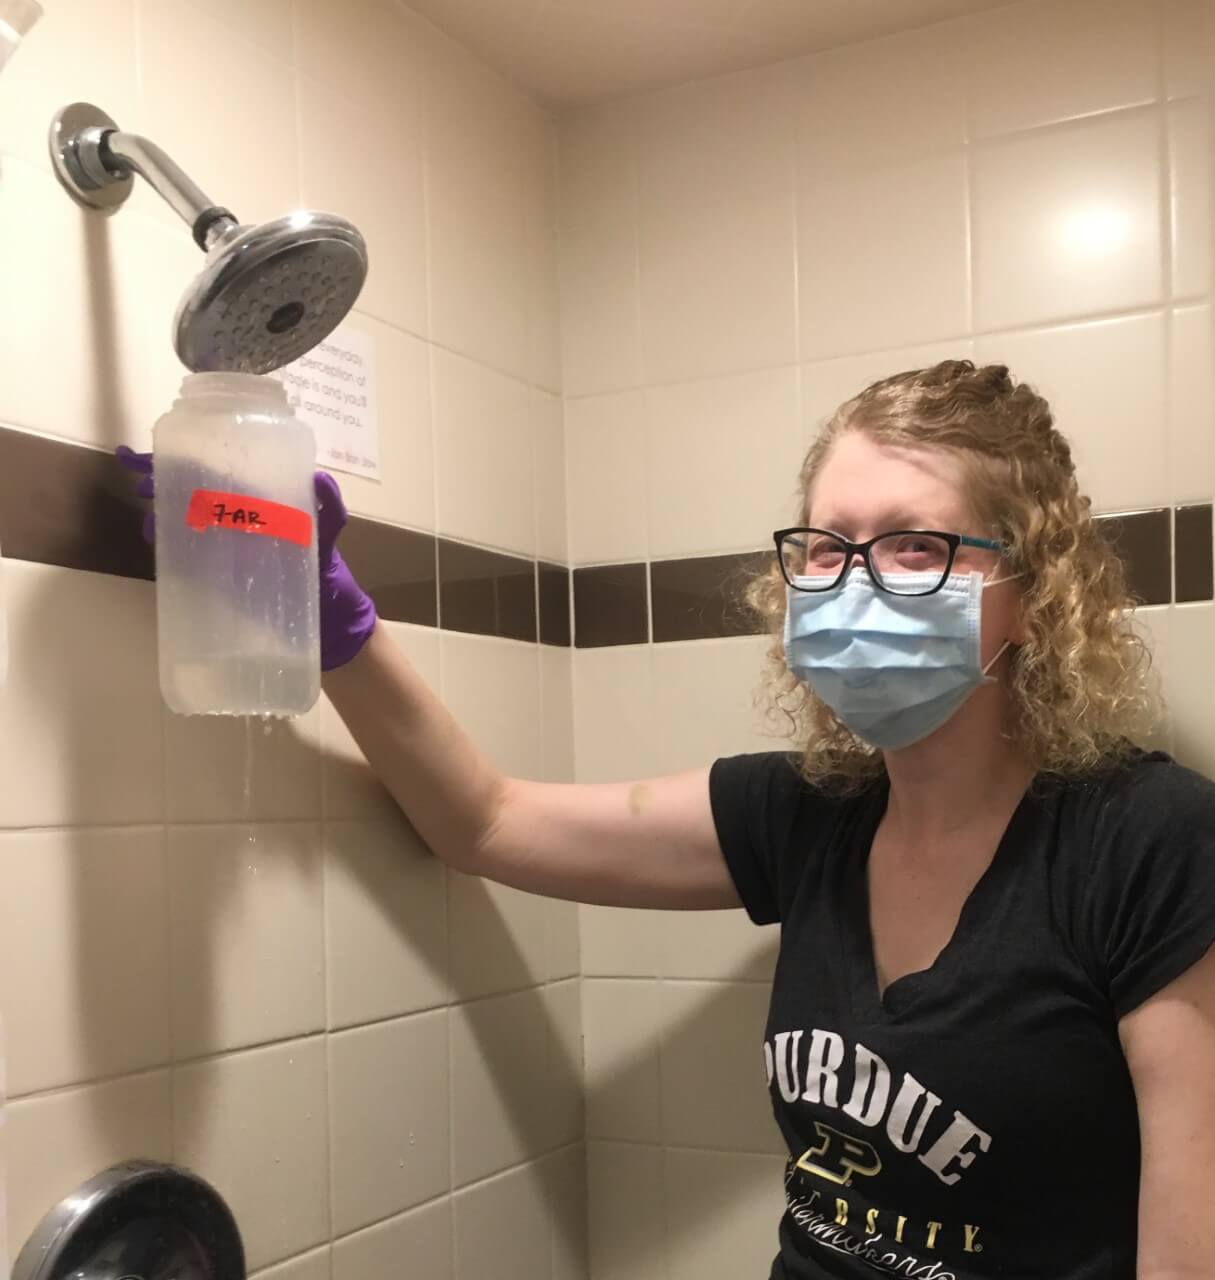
{"x": 904, "y": 562}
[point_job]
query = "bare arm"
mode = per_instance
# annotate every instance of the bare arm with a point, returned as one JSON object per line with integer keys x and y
{"x": 1169, "y": 1042}
{"x": 640, "y": 844}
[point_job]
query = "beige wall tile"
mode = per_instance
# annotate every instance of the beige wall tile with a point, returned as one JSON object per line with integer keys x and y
{"x": 705, "y": 702}
{"x": 717, "y": 284}
{"x": 253, "y": 1124}
{"x": 80, "y": 51}
{"x": 404, "y": 493}
{"x": 882, "y": 257}
{"x": 713, "y": 1088}
{"x": 561, "y": 943}
{"x": 421, "y": 1236}
{"x": 486, "y": 165}
{"x": 267, "y": 23}
{"x": 1188, "y": 687}
{"x": 622, "y": 1025}
{"x": 483, "y": 439}
{"x": 1187, "y": 47}
{"x": 902, "y": 95}
{"x": 1067, "y": 222}
{"x": 1102, "y": 418}
{"x": 544, "y": 271}
{"x": 511, "y": 1208}
{"x": 624, "y": 1199}
{"x": 492, "y": 687}
{"x": 613, "y": 713}
{"x": 564, "y": 1177}
{"x": 84, "y": 954}
{"x": 716, "y": 137}
{"x": 180, "y": 50}
{"x": 826, "y": 384}
{"x": 722, "y": 1212}
{"x": 1013, "y": 86}
{"x": 56, "y": 1142}
{"x": 308, "y": 1266}
{"x": 247, "y": 935}
{"x": 548, "y": 443}
{"x": 390, "y": 1120}
{"x": 372, "y": 51}
{"x": 233, "y": 767}
{"x": 621, "y": 942}
{"x": 562, "y": 1002}
{"x": 724, "y": 945}
{"x": 501, "y": 1076}
{"x": 605, "y": 442}
{"x": 76, "y": 748}
{"x": 557, "y": 713}
{"x": 598, "y": 159}
{"x": 599, "y": 269}
{"x": 1191, "y": 429}
{"x": 338, "y": 136}
{"x": 746, "y": 427}
{"x": 351, "y": 790}
{"x": 1189, "y": 126}
{"x": 385, "y": 922}
{"x": 498, "y": 939}
{"x": 106, "y": 289}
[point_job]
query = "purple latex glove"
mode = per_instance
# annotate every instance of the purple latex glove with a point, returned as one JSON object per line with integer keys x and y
{"x": 348, "y": 615}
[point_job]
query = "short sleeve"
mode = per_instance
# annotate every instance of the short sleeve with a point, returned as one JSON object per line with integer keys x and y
{"x": 1150, "y": 900}
{"x": 755, "y": 800}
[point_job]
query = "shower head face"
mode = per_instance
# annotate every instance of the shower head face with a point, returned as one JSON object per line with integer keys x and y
{"x": 270, "y": 293}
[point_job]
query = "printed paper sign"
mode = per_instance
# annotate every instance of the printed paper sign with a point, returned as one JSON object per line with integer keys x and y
{"x": 332, "y": 389}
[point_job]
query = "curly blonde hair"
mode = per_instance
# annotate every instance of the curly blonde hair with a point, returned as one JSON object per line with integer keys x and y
{"x": 1079, "y": 684}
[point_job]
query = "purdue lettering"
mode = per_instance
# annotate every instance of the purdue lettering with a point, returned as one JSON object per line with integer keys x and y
{"x": 837, "y": 1157}
{"x": 817, "y": 1073}
{"x": 826, "y": 1054}
{"x": 949, "y": 1146}
{"x": 871, "y": 1091}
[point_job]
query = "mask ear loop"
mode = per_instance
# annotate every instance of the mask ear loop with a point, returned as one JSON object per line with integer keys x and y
{"x": 1004, "y": 648}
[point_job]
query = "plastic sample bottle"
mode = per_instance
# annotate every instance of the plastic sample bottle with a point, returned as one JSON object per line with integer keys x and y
{"x": 236, "y": 559}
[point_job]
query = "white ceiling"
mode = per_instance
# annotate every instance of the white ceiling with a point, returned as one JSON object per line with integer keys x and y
{"x": 567, "y": 53}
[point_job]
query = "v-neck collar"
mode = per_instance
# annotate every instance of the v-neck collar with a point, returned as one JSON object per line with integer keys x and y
{"x": 904, "y": 993}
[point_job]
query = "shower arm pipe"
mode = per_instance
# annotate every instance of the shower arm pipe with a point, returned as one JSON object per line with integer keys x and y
{"x": 123, "y": 153}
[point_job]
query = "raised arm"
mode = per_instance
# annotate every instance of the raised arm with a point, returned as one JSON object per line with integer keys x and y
{"x": 650, "y": 843}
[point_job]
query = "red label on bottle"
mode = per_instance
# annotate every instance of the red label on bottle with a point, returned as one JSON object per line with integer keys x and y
{"x": 242, "y": 513}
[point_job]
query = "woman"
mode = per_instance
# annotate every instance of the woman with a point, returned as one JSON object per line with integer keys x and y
{"x": 991, "y": 1042}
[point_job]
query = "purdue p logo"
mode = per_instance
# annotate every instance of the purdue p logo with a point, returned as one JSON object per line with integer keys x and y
{"x": 838, "y": 1156}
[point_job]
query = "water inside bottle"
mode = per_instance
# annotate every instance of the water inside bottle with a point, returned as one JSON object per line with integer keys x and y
{"x": 230, "y": 684}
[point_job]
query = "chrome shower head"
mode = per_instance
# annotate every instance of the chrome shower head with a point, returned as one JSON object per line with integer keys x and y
{"x": 270, "y": 293}
{"x": 266, "y": 294}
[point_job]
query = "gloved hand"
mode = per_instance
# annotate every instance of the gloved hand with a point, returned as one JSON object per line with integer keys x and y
{"x": 348, "y": 615}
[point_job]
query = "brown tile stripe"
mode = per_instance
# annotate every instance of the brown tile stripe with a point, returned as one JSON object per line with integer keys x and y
{"x": 1193, "y": 547}
{"x": 553, "y": 594}
{"x": 1143, "y": 539}
{"x": 610, "y": 605}
{"x": 66, "y": 505}
{"x": 485, "y": 592}
{"x": 69, "y": 505}
{"x": 396, "y": 567}
{"x": 702, "y": 598}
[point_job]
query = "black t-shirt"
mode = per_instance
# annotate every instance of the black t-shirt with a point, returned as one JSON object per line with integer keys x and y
{"x": 980, "y": 1119}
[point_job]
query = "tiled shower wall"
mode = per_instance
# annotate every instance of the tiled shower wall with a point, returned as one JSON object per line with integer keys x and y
{"x": 738, "y": 256}
{"x": 219, "y": 944}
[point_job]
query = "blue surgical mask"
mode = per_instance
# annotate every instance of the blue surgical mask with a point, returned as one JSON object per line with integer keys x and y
{"x": 892, "y": 668}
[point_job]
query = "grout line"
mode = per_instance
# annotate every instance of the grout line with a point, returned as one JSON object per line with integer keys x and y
{"x": 172, "y": 1064}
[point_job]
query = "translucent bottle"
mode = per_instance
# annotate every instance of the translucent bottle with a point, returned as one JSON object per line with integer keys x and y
{"x": 236, "y": 559}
